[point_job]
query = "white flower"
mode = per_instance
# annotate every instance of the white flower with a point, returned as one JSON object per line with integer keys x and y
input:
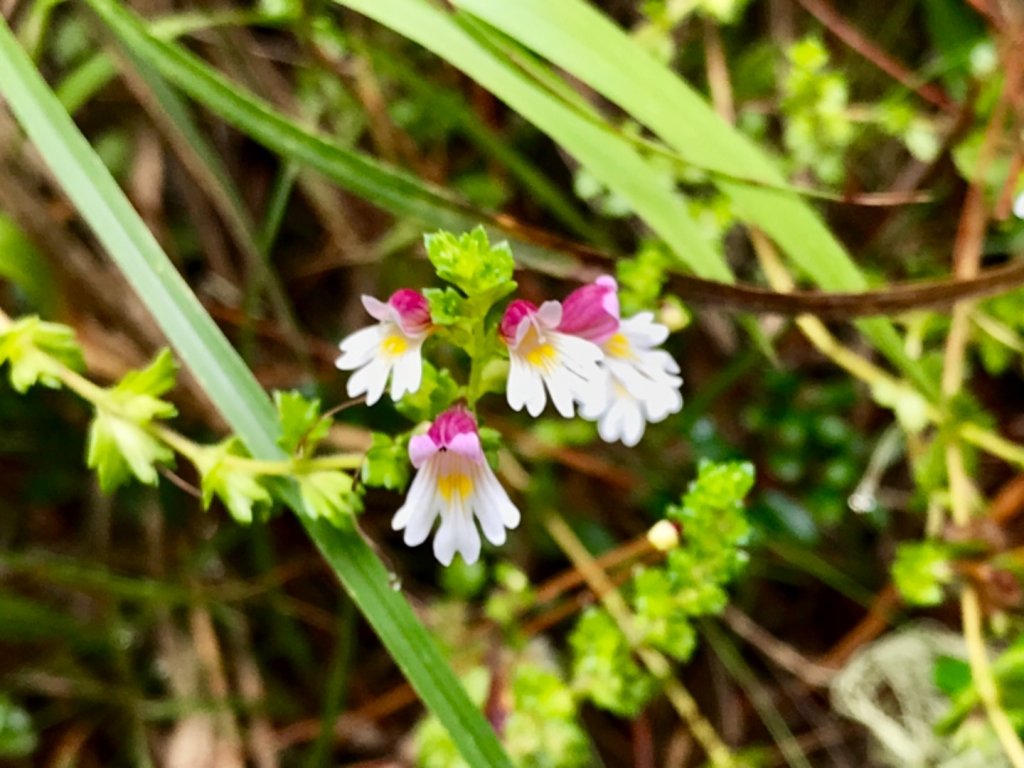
{"x": 454, "y": 482}
{"x": 389, "y": 348}
{"x": 644, "y": 381}
{"x": 541, "y": 356}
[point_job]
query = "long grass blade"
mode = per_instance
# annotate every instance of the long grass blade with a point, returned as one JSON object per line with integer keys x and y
{"x": 232, "y": 388}
{"x": 578, "y": 38}
{"x": 610, "y": 158}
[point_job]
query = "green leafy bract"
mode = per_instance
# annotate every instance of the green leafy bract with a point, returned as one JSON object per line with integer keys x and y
{"x": 921, "y": 570}
{"x": 642, "y": 278}
{"x": 238, "y": 488}
{"x": 541, "y": 731}
{"x": 604, "y": 668}
{"x": 302, "y": 426}
{"x": 447, "y": 306}
{"x": 661, "y": 617}
{"x": 30, "y": 345}
{"x": 121, "y": 443}
{"x": 438, "y": 389}
{"x": 328, "y": 494}
{"x": 712, "y": 518}
{"x": 386, "y": 464}
{"x": 471, "y": 263}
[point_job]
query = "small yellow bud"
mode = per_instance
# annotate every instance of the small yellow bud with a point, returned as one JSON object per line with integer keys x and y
{"x": 673, "y": 314}
{"x": 663, "y": 536}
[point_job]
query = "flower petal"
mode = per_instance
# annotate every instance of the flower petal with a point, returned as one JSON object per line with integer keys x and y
{"x": 421, "y": 448}
{"x": 445, "y": 541}
{"x": 407, "y": 374}
{"x": 357, "y": 349}
{"x": 377, "y": 309}
{"x": 560, "y": 384}
{"x": 419, "y": 511}
{"x": 525, "y": 387}
{"x": 371, "y": 379}
{"x": 467, "y": 445}
{"x": 495, "y": 500}
{"x": 549, "y": 315}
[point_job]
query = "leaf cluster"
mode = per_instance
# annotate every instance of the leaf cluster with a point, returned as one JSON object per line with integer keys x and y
{"x": 665, "y": 600}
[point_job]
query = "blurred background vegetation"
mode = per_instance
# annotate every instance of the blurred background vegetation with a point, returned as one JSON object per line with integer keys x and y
{"x": 879, "y": 549}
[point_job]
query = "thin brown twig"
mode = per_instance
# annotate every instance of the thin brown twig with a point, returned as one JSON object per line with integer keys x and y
{"x": 782, "y": 654}
{"x": 179, "y": 481}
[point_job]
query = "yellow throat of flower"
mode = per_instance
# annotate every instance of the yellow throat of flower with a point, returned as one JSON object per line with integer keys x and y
{"x": 394, "y": 345}
{"x": 618, "y": 346}
{"x": 454, "y": 483}
{"x": 537, "y": 352}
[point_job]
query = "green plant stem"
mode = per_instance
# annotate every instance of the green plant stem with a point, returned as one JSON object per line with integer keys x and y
{"x": 962, "y": 494}
{"x": 717, "y": 751}
{"x": 960, "y": 486}
{"x": 231, "y": 386}
{"x": 476, "y": 370}
{"x": 100, "y": 399}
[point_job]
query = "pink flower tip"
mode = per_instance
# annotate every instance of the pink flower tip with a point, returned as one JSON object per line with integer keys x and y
{"x": 514, "y": 315}
{"x": 454, "y": 430}
{"x": 412, "y": 309}
{"x": 592, "y": 311}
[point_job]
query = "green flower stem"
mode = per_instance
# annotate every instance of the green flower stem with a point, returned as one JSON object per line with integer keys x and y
{"x": 476, "y": 371}
{"x": 659, "y": 666}
{"x": 99, "y": 398}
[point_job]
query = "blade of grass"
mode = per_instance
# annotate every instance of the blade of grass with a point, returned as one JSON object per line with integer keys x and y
{"x": 613, "y": 161}
{"x": 90, "y": 77}
{"x": 171, "y": 113}
{"x": 730, "y": 657}
{"x": 390, "y": 188}
{"x": 233, "y": 390}
{"x": 533, "y": 179}
{"x": 581, "y": 40}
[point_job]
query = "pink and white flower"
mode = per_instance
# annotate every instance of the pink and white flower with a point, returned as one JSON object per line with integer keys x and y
{"x": 642, "y": 381}
{"x": 454, "y": 482}
{"x": 543, "y": 356}
{"x": 390, "y": 348}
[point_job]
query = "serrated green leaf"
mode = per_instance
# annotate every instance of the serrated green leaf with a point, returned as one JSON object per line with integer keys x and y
{"x": 437, "y": 391}
{"x": 30, "y": 346}
{"x": 119, "y": 449}
{"x": 446, "y": 305}
{"x": 301, "y": 424}
{"x": 239, "y": 490}
{"x": 386, "y": 464}
{"x": 136, "y": 396}
{"x": 155, "y": 379}
{"x": 921, "y": 571}
{"x": 661, "y": 619}
{"x": 715, "y": 529}
{"x": 470, "y": 262}
{"x": 329, "y": 495}
{"x": 603, "y": 667}
{"x": 218, "y": 368}
{"x": 120, "y": 444}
